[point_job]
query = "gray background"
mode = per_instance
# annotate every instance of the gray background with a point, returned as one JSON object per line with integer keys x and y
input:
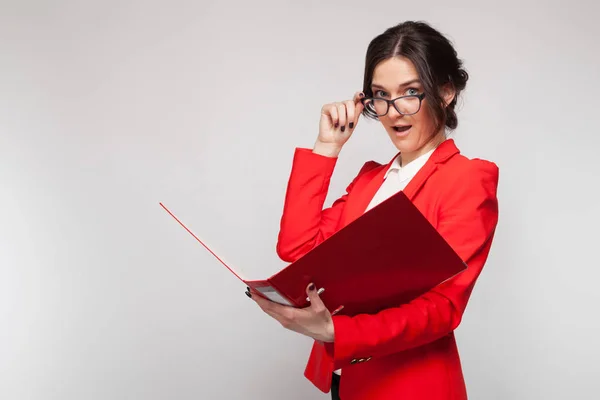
{"x": 108, "y": 107}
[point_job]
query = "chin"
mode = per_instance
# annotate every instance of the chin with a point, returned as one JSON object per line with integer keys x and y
{"x": 406, "y": 144}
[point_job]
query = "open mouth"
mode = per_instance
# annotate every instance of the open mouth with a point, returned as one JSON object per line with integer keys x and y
{"x": 402, "y": 128}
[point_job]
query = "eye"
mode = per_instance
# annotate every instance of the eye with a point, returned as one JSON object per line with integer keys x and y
{"x": 380, "y": 93}
{"x": 412, "y": 91}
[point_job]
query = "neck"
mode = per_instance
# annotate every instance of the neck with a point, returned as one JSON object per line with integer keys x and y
{"x": 432, "y": 143}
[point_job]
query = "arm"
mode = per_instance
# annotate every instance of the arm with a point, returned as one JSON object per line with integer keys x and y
{"x": 467, "y": 220}
{"x": 304, "y": 223}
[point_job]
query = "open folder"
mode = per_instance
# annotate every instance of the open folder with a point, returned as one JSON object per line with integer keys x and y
{"x": 386, "y": 257}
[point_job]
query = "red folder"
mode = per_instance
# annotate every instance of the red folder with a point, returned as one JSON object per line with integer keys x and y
{"x": 386, "y": 257}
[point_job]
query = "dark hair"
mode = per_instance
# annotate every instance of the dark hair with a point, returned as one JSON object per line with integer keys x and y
{"x": 434, "y": 58}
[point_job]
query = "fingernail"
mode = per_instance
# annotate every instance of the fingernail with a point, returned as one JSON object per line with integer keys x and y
{"x": 248, "y": 294}
{"x": 343, "y": 128}
{"x": 361, "y": 94}
{"x": 311, "y": 287}
{"x": 351, "y": 124}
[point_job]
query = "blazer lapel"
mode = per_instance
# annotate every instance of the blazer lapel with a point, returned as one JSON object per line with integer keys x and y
{"x": 365, "y": 191}
{"x": 373, "y": 179}
{"x": 442, "y": 153}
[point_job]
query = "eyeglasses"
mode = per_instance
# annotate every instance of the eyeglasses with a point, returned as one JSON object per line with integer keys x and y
{"x": 405, "y": 105}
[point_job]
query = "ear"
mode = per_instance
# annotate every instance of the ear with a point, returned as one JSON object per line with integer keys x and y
{"x": 448, "y": 93}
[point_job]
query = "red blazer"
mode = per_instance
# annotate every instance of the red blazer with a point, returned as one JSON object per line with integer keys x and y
{"x": 407, "y": 351}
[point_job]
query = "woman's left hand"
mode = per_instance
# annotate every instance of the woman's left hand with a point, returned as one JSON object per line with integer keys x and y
{"x": 314, "y": 321}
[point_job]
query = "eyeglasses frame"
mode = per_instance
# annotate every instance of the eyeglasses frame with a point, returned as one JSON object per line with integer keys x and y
{"x": 393, "y": 102}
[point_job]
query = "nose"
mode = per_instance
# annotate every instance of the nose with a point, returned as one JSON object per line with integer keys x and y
{"x": 393, "y": 113}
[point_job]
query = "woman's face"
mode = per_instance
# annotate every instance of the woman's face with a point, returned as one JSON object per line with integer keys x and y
{"x": 412, "y": 135}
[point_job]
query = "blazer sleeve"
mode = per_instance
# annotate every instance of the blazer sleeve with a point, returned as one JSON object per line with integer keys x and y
{"x": 304, "y": 222}
{"x": 468, "y": 215}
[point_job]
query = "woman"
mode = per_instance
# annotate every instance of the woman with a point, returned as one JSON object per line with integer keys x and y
{"x": 412, "y": 81}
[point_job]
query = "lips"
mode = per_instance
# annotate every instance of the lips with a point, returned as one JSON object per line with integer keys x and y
{"x": 402, "y": 128}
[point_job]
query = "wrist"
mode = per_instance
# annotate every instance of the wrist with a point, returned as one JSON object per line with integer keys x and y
{"x": 330, "y": 332}
{"x": 327, "y": 149}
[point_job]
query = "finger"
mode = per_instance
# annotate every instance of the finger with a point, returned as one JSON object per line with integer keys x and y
{"x": 272, "y": 308}
{"x": 357, "y": 97}
{"x": 256, "y": 295}
{"x": 252, "y": 293}
{"x": 273, "y": 315}
{"x": 341, "y": 109}
{"x": 350, "y": 113}
{"x": 331, "y": 111}
{"x": 265, "y": 304}
{"x": 315, "y": 300}
{"x": 282, "y": 314}
{"x": 269, "y": 309}
{"x": 358, "y": 110}
{"x": 358, "y": 107}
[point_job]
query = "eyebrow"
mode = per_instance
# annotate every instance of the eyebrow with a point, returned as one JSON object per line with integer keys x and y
{"x": 416, "y": 80}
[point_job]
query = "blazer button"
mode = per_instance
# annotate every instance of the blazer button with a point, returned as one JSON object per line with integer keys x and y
{"x": 368, "y": 358}
{"x": 361, "y": 360}
{"x": 354, "y": 361}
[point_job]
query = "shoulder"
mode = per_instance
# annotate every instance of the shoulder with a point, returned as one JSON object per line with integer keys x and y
{"x": 467, "y": 189}
{"x": 366, "y": 172}
{"x": 369, "y": 169}
{"x": 371, "y": 165}
{"x": 468, "y": 172}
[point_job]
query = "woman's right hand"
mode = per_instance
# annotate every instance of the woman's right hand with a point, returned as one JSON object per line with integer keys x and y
{"x": 338, "y": 121}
